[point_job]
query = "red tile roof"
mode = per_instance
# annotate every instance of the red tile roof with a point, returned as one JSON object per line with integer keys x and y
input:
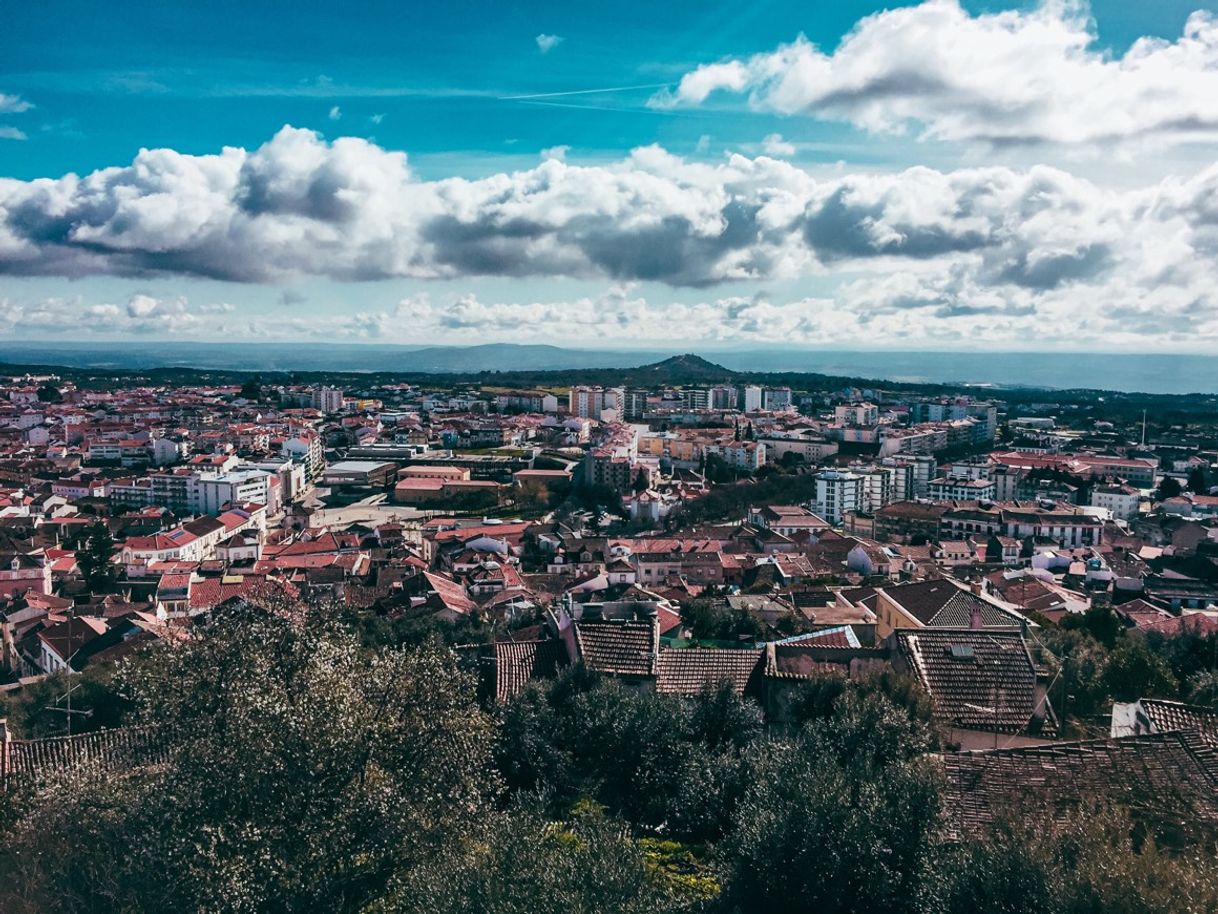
{"x": 688, "y": 671}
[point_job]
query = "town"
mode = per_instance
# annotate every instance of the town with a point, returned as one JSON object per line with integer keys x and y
{"x": 672, "y": 536}
{"x": 686, "y": 458}
{"x": 1041, "y": 572}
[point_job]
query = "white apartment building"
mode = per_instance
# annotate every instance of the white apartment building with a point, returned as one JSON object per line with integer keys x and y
{"x": 327, "y": 399}
{"x": 812, "y": 450}
{"x": 856, "y": 414}
{"x": 724, "y": 397}
{"x": 1122, "y": 501}
{"x": 921, "y": 469}
{"x": 955, "y": 488}
{"x": 306, "y": 449}
{"x": 166, "y": 451}
{"x": 595, "y": 402}
{"x": 750, "y": 398}
{"x": 194, "y": 492}
{"x": 104, "y": 451}
{"x": 971, "y": 469}
{"x": 875, "y": 489}
{"x": 209, "y": 494}
{"x": 292, "y": 481}
{"x": 744, "y": 455}
{"x": 777, "y": 398}
{"x": 838, "y": 493}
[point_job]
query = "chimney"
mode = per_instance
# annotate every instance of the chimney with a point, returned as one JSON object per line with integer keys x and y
{"x": 974, "y": 617}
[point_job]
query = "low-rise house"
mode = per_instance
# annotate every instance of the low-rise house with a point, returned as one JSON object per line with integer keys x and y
{"x": 1166, "y": 780}
{"x": 1157, "y": 715}
{"x": 981, "y": 683}
{"x": 937, "y": 603}
{"x": 21, "y": 573}
{"x": 59, "y": 643}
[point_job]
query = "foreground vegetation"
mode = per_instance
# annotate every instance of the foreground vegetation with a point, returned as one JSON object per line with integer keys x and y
{"x": 307, "y": 771}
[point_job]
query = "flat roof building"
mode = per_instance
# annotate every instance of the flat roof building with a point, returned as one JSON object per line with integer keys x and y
{"x": 371, "y": 473}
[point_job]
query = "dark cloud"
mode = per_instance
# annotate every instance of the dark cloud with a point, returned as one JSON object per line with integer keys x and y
{"x": 842, "y": 227}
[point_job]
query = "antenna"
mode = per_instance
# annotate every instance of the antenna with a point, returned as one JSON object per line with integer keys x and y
{"x": 68, "y": 715}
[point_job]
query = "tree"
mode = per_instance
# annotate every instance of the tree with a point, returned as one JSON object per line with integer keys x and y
{"x": 1203, "y": 688}
{"x": 1081, "y": 661}
{"x": 714, "y": 620}
{"x": 94, "y": 557}
{"x": 1088, "y": 862}
{"x": 1169, "y": 487}
{"x": 718, "y": 470}
{"x": 642, "y": 482}
{"x": 302, "y": 774}
{"x": 49, "y": 393}
{"x": 1198, "y": 481}
{"x": 657, "y": 761}
{"x": 1099, "y": 621}
{"x": 791, "y": 459}
{"x": 811, "y": 813}
{"x": 1134, "y": 671}
{"x": 252, "y": 388}
{"x": 523, "y": 863}
{"x": 38, "y": 709}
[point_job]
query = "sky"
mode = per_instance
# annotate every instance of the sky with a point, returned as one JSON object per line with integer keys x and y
{"x": 1038, "y": 176}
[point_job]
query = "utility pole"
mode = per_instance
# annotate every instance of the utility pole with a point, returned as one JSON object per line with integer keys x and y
{"x": 67, "y": 710}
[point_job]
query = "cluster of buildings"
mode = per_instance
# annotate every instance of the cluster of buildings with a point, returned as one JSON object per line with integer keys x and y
{"x": 929, "y": 535}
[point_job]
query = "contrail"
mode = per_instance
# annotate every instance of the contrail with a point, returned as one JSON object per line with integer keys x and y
{"x": 515, "y": 98}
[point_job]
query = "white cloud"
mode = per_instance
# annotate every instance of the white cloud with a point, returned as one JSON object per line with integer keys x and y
{"x": 142, "y": 306}
{"x": 376, "y": 118}
{"x": 351, "y": 210}
{"x": 547, "y": 43}
{"x": 918, "y": 309}
{"x": 982, "y": 248}
{"x": 929, "y": 306}
{"x": 775, "y": 145}
{"x": 336, "y": 113}
{"x": 555, "y": 154}
{"x": 13, "y": 104}
{"x": 142, "y": 314}
{"x": 12, "y": 133}
{"x": 1009, "y": 77}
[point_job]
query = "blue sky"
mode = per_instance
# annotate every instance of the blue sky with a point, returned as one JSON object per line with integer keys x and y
{"x": 487, "y": 91}
{"x": 195, "y": 77}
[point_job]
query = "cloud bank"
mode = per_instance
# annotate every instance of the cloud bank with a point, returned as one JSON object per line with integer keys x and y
{"x": 350, "y": 210}
{"x": 1009, "y": 77}
{"x": 986, "y": 245}
{"x": 140, "y": 314}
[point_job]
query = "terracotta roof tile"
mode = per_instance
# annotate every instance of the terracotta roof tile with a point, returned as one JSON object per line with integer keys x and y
{"x": 1166, "y": 779}
{"x": 687, "y": 671}
{"x": 519, "y": 662}
{"x": 982, "y": 680}
{"x": 622, "y": 648}
{"x": 1175, "y": 715}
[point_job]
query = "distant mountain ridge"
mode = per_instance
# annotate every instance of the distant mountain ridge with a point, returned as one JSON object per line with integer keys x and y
{"x": 368, "y": 357}
{"x": 686, "y": 369}
{"x": 1152, "y": 373}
